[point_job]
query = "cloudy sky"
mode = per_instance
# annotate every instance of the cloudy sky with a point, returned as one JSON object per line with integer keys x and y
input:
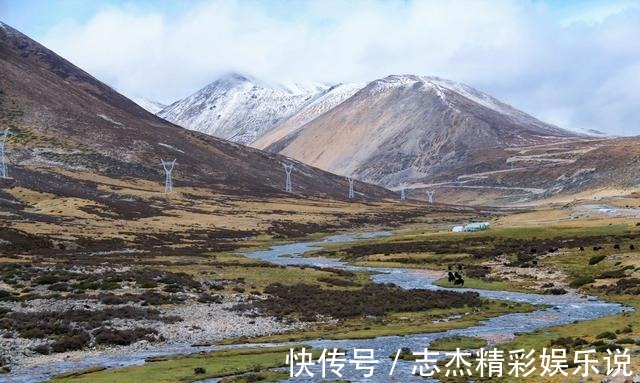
{"x": 574, "y": 63}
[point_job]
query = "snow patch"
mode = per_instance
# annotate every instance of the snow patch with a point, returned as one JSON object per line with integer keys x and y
{"x": 170, "y": 147}
{"x": 149, "y": 105}
{"x": 106, "y": 118}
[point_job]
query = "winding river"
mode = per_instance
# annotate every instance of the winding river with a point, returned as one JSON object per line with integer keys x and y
{"x": 563, "y": 309}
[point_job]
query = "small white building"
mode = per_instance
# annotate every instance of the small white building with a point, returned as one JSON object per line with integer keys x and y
{"x": 474, "y": 226}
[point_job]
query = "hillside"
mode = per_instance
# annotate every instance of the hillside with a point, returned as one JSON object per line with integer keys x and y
{"x": 63, "y": 119}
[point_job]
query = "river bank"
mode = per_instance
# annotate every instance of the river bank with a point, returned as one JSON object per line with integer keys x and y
{"x": 562, "y": 309}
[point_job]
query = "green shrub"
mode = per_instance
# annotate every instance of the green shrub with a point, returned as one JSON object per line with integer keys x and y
{"x": 606, "y": 335}
{"x": 619, "y": 273}
{"x": 581, "y": 281}
{"x": 611, "y": 347}
{"x": 596, "y": 259}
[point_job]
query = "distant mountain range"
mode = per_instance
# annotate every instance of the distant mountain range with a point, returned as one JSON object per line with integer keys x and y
{"x": 408, "y": 131}
{"x": 422, "y": 133}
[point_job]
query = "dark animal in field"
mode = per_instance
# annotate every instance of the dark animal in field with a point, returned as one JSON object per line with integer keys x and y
{"x": 457, "y": 275}
{"x": 596, "y": 248}
{"x": 616, "y": 246}
{"x": 449, "y": 268}
{"x": 459, "y": 266}
{"x": 459, "y": 281}
{"x": 631, "y": 247}
{"x": 581, "y": 248}
{"x": 451, "y": 277}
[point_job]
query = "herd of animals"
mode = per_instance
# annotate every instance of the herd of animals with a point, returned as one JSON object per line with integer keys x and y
{"x": 455, "y": 277}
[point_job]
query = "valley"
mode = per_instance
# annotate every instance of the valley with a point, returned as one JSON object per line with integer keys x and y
{"x": 558, "y": 269}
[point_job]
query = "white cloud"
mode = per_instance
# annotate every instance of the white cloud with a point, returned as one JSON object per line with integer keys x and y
{"x": 579, "y": 71}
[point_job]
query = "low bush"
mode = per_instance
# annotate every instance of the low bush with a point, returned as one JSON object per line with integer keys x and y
{"x": 596, "y": 259}
{"x": 77, "y": 340}
{"x": 581, "y": 281}
{"x": 609, "y": 347}
{"x": 310, "y": 301}
{"x": 606, "y": 335}
{"x": 556, "y": 291}
{"x": 568, "y": 342}
{"x": 106, "y": 335}
{"x": 338, "y": 282}
{"x": 619, "y": 273}
{"x": 630, "y": 286}
{"x": 208, "y": 298}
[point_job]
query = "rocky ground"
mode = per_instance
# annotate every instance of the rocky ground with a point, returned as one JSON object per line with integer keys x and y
{"x": 200, "y": 323}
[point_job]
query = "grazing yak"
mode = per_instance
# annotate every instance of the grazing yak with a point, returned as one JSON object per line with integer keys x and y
{"x": 456, "y": 277}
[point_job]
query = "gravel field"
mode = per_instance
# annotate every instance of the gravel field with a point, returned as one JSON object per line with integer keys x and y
{"x": 202, "y": 323}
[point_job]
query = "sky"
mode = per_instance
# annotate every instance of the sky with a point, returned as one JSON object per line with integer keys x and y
{"x": 574, "y": 63}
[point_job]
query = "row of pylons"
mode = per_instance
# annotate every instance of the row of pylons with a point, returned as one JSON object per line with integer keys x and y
{"x": 288, "y": 187}
{"x": 168, "y": 171}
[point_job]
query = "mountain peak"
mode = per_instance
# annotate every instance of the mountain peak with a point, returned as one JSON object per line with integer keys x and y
{"x": 240, "y": 107}
{"x": 239, "y": 79}
{"x": 235, "y": 79}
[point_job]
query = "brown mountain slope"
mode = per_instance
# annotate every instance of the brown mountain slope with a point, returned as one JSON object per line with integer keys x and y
{"x": 430, "y": 133}
{"x": 63, "y": 118}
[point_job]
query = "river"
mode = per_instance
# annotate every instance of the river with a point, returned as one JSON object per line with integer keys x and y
{"x": 563, "y": 309}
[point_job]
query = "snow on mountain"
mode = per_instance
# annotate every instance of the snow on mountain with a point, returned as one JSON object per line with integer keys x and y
{"x": 150, "y": 106}
{"x": 405, "y": 129}
{"x": 240, "y": 108}
{"x": 326, "y": 101}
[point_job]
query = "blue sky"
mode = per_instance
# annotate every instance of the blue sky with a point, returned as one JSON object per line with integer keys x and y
{"x": 573, "y": 63}
{"x": 36, "y": 17}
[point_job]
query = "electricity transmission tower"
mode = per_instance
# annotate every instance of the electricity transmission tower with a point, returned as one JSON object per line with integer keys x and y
{"x": 351, "y": 193}
{"x": 4, "y": 170}
{"x": 403, "y": 194}
{"x": 430, "y": 194}
{"x": 168, "y": 170}
{"x": 287, "y": 186}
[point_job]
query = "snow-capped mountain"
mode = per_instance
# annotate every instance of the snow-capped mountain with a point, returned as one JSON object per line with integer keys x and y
{"x": 150, "y": 106}
{"x": 240, "y": 108}
{"x": 326, "y": 101}
{"x": 427, "y": 132}
{"x": 417, "y": 131}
